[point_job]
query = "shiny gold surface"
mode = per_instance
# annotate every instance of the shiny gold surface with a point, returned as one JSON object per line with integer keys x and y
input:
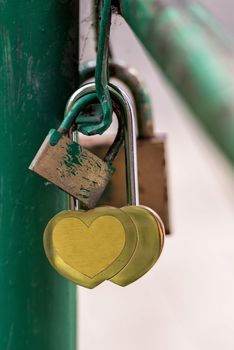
{"x": 76, "y": 242}
{"x": 150, "y": 232}
{"x": 89, "y": 247}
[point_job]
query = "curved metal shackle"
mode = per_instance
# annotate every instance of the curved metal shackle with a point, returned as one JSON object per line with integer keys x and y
{"x": 125, "y": 105}
{"x": 71, "y": 113}
{"x": 74, "y": 106}
{"x": 131, "y": 79}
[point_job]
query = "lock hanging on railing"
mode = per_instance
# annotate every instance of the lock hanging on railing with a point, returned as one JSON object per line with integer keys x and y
{"x": 107, "y": 243}
{"x": 151, "y": 147}
{"x": 72, "y": 167}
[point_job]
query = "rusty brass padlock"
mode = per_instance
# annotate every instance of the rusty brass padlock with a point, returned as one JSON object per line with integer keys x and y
{"x": 152, "y": 169}
{"x": 72, "y": 167}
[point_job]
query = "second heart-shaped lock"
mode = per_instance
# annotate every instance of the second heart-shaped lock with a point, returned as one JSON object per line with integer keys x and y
{"x": 90, "y": 247}
{"x": 104, "y": 243}
{"x": 107, "y": 243}
{"x": 150, "y": 240}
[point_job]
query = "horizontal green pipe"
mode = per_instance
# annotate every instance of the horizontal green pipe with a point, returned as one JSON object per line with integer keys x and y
{"x": 196, "y": 56}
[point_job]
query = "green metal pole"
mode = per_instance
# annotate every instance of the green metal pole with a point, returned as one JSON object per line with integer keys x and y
{"x": 38, "y": 72}
{"x": 196, "y": 56}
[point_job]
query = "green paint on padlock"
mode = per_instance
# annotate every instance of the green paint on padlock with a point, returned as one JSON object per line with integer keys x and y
{"x": 73, "y": 153}
{"x": 71, "y": 167}
{"x": 55, "y": 136}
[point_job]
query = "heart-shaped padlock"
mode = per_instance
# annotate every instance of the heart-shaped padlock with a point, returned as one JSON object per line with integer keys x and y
{"x": 90, "y": 247}
{"x": 150, "y": 234}
{"x": 107, "y": 243}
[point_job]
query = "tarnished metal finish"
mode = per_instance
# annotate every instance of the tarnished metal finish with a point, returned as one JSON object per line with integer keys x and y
{"x": 152, "y": 173}
{"x": 191, "y": 49}
{"x": 71, "y": 167}
{"x": 125, "y": 107}
{"x": 90, "y": 247}
{"x": 107, "y": 243}
{"x": 74, "y": 110}
{"x": 128, "y": 76}
{"x": 38, "y": 66}
{"x": 74, "y": 169}
{"x": 149, "y": 246}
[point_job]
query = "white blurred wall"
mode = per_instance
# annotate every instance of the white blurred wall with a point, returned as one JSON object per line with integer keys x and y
{"x": 186, "y": 302}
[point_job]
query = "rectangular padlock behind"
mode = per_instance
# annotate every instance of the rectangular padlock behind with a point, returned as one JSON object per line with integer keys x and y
{"x": 72, "y": 168}
{"x": 152, "y": 174}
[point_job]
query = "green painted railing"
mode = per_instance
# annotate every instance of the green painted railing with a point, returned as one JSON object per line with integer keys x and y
{"x": 196, "y": 56}
{"x": 38, "y": 72}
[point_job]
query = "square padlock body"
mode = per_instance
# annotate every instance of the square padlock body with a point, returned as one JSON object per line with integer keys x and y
{"x": 72, "y": 168}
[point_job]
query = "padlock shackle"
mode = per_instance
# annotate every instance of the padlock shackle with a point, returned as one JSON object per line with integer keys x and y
{"x": 124, "y": 103}
{"x": 76, "y": 103}
{"x": 123, "y": 100}
{"x": 74, "y": 109}
{"x": 131, "y": 79}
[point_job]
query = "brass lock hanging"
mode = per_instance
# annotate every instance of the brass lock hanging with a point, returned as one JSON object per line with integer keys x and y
{"x": 151, "y": 148}
{"x": 106, "y": 242}
{"x": 72, "y": 167}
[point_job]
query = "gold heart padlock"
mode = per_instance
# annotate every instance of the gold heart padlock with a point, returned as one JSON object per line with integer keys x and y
{"x": 150, "y": 229}
{"x": 107, "y": 243}
{"x": 90, "y": 247}
{"x": 150, "y": 234}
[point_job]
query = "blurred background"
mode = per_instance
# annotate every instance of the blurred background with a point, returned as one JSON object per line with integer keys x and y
{"x": 186, "y": 301}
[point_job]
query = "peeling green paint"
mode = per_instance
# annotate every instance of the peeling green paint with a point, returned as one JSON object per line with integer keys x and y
{"x": 83, "y": 196}
{"x": 84, "y": 189}
{"x": 72, "y": 157}
{"x": 138, "y": 89}
{"x": 74, "y": 151}
{"x": 111, "y": 169}
{"x": 79, "y": 106}
{"x": 55, "y": 136}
